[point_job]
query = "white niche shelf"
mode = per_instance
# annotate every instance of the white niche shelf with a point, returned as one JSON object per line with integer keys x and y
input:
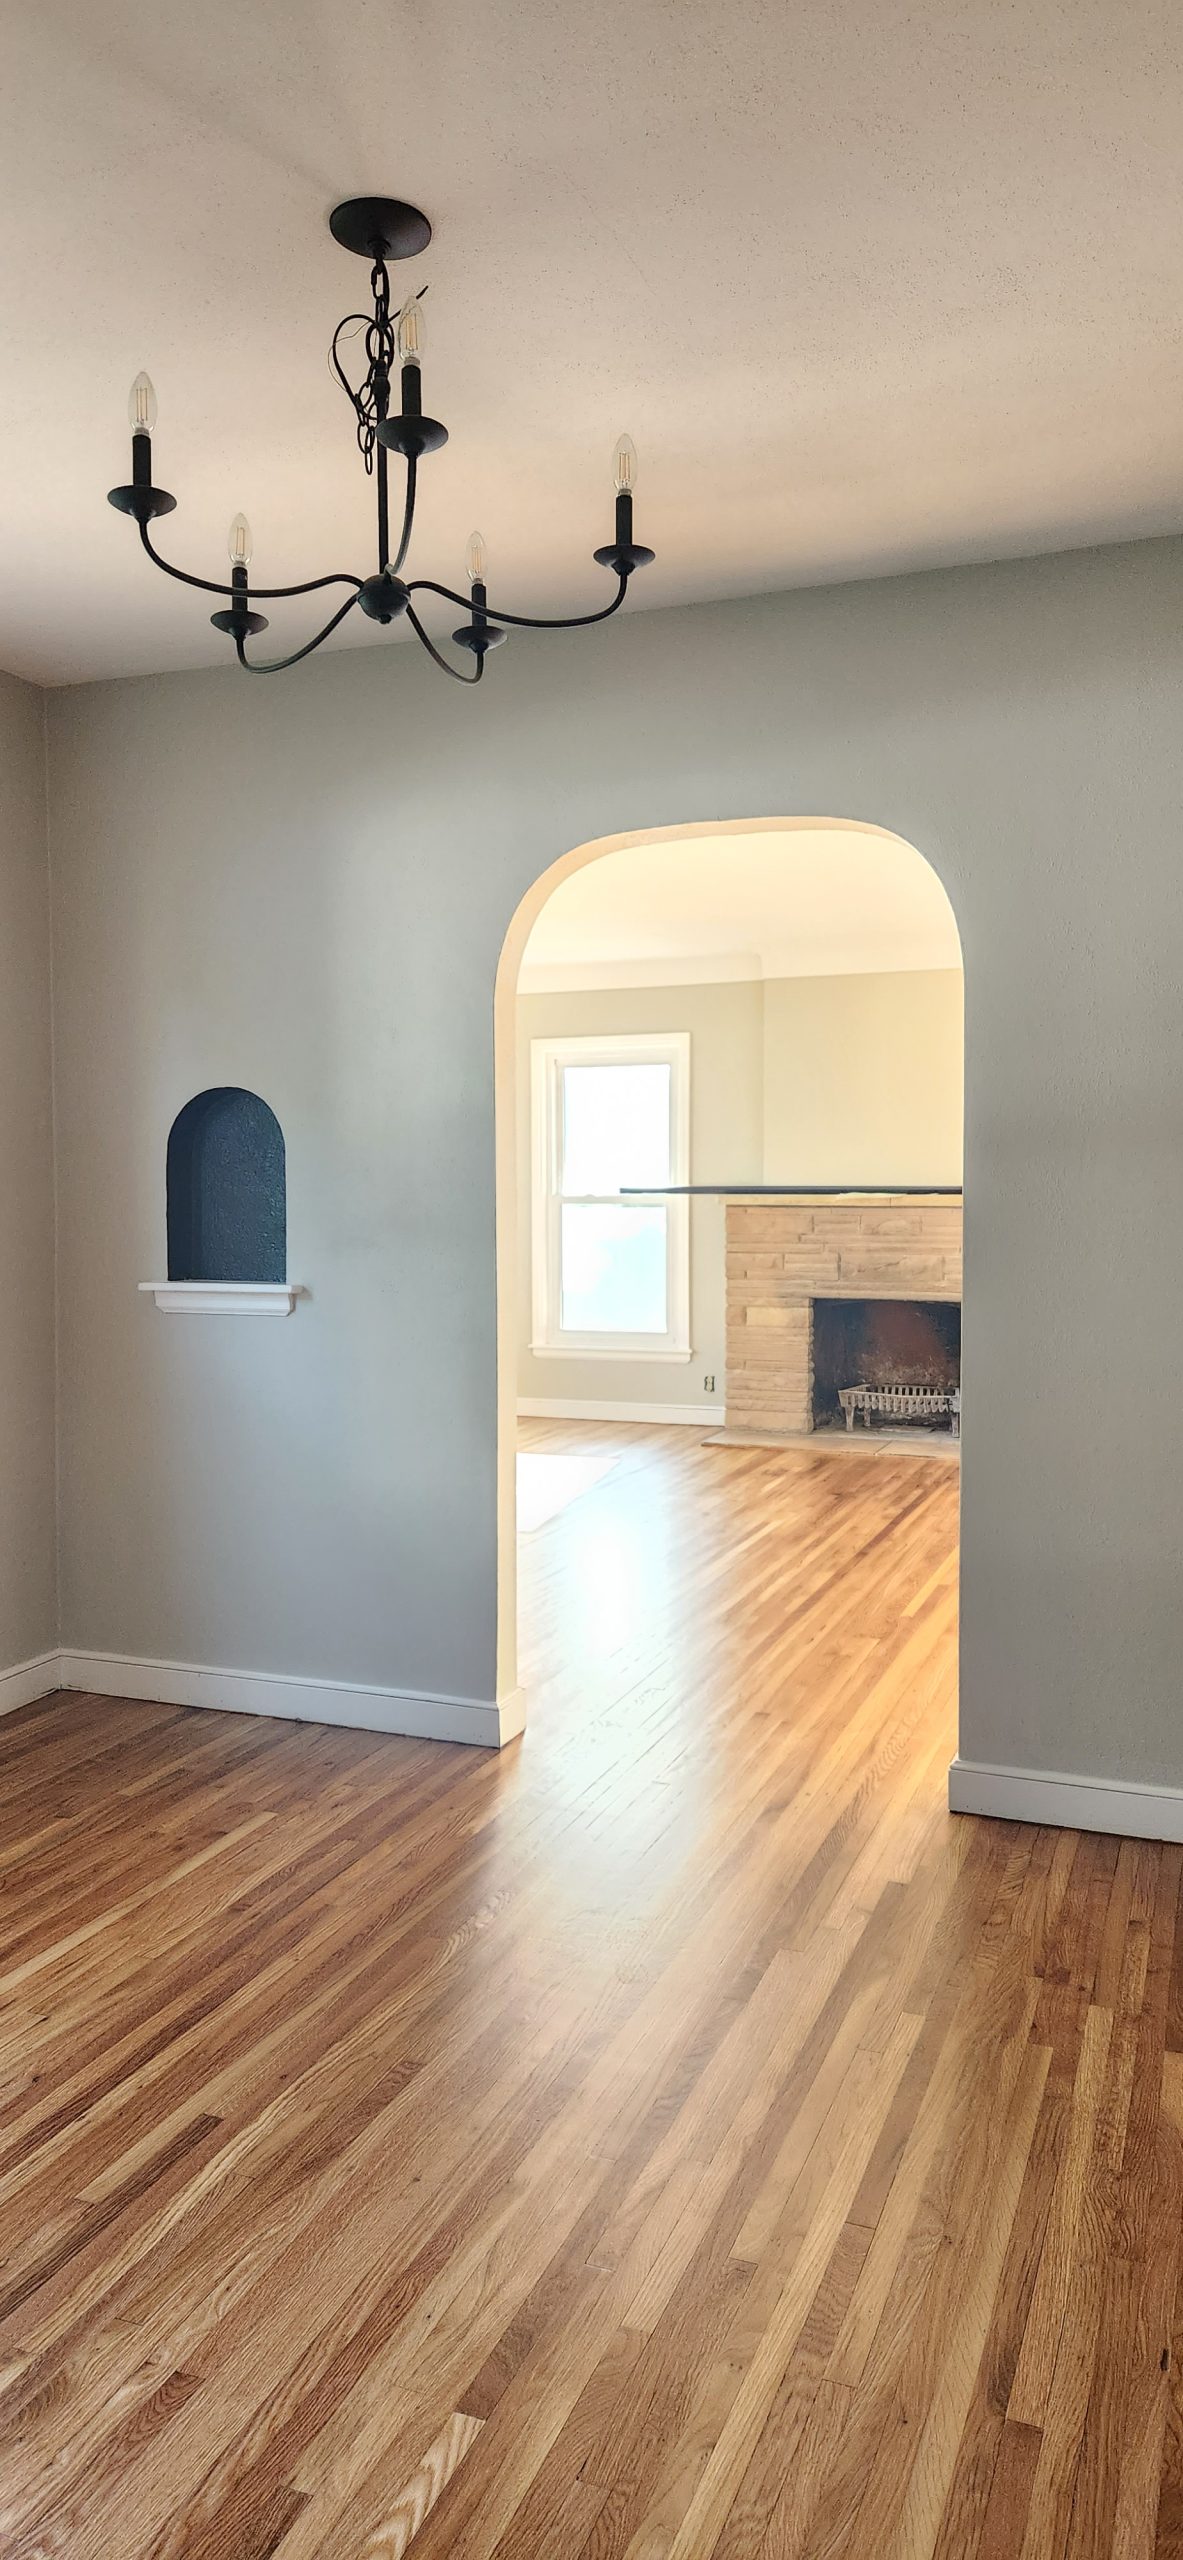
{"x": 224, "y": 1297}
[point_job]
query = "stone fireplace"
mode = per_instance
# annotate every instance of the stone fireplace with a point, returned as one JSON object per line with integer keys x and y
{"x": 787, "y": 1254}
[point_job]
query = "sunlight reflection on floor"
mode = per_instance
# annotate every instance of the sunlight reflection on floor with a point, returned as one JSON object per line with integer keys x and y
{"x": 547, "y": 1482}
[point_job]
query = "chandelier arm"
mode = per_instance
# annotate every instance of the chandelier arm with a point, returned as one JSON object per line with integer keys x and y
{"x": 275, "y": 666}
{"x": 210, "y": 587}
{"x": 527, "y": 621}
{"x": 433, "y": 652}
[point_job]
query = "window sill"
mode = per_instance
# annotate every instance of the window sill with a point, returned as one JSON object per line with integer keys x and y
{"x": 224, "y": 1297}
{"x": 604, "y": 1351}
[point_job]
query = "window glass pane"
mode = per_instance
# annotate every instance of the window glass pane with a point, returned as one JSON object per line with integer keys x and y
{"x": 616, "y": 1127}
{"x": 614, "y": 1269}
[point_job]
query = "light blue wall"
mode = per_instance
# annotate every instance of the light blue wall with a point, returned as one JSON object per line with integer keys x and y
{"x": 28, "y": 1537}
{"x": 303, "y": 886}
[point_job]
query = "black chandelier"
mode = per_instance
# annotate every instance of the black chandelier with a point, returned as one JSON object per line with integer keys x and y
{"x": 377, "y": 228}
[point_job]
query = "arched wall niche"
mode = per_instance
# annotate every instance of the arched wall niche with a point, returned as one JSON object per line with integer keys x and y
{"x": 509, "y": 1279}
{"x": 226, "y": 1186}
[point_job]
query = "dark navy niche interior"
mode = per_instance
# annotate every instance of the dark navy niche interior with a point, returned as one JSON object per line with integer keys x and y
{"x": 227, "y": 1189}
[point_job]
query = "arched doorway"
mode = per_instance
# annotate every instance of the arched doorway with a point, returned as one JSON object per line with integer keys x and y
{"x": 874, "y": 863}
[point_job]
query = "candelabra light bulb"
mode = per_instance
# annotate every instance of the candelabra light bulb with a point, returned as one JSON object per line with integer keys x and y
{"x": 624, "y": 466}
{"x": 476, "y": 561}
{"x": 141, "y": 406}
{"x": 239, "y": 544}
{"x": 410, "y": 333}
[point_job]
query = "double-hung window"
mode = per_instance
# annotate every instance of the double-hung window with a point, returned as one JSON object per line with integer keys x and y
{"x": 611, "y": 1254}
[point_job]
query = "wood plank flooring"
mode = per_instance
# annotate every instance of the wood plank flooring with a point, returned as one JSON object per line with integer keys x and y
{"x": 673, "y": 2137}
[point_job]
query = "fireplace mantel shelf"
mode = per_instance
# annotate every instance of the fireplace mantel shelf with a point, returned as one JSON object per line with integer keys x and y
{"x": 793, "y": 1191}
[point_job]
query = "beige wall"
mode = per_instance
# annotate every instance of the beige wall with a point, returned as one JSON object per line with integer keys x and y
{"x": 28, "y": 1595}
{"x": 863, "y": 1078}
{"x": 303, "y": 884}
{"x": 726, "y": 1074}
{"x": 791, "y": 1080}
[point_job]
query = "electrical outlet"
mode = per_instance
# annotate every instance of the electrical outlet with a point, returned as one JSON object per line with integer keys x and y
{"x": 708, "y": 1385}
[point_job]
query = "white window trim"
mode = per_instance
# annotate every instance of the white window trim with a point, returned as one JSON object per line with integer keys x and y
{"x": 547, "y": 1059}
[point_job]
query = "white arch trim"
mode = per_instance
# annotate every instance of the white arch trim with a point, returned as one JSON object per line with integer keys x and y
{"x": 510, "y": 1697}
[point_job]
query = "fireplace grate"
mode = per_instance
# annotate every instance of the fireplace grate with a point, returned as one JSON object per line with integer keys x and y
{"x": 901, "y": 1404}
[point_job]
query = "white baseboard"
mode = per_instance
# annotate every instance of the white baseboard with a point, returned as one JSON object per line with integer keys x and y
{"x": 575, "y": 1409}
{"x": 28, "y": 1681}
{"x": 256, "y": 1693}
{"x": 1124, "y": 1806}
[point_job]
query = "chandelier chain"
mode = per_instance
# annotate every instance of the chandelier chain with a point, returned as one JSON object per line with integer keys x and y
{"x": 381, "y": 350}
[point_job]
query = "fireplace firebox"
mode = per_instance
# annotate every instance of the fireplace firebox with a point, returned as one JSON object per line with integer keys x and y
{"x": 885, "y": 1343}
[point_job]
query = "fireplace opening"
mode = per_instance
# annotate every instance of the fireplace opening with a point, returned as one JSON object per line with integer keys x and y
{"x": 906, "y": 1352}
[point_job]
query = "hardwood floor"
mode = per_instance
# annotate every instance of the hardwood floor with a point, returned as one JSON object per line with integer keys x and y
{"x": 675, "y": 2136}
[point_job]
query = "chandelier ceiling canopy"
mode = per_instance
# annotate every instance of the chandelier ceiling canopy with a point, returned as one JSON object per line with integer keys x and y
{"x": 381, "y": 229}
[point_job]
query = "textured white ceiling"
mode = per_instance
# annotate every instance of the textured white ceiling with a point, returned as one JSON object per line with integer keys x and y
{"x": 874, "y": 283}
{"x": 793, "y": 902}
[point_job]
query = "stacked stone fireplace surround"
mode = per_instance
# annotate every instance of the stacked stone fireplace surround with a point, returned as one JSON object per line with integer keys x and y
{"x": 783, "y": 1254}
